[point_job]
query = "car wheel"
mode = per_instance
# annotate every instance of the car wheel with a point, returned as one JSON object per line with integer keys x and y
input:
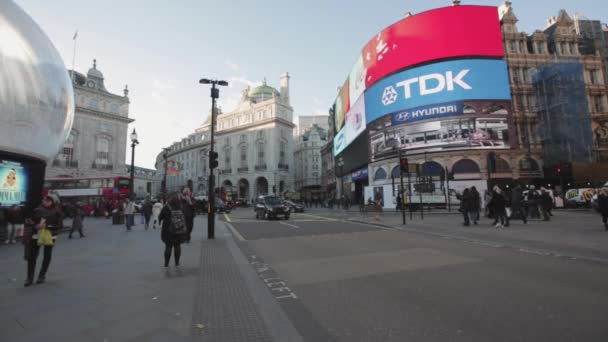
{"x": 266, "y": 215}
{"x": 286, "y": 217}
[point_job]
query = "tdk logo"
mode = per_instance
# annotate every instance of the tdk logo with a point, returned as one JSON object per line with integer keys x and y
{"x": 438, "y": 84}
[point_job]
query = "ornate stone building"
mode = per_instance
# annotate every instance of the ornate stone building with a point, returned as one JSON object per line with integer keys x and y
{"x": 308, "y": 162}
{"x": 97, "y": 143}
{"x": 254, "y": 142}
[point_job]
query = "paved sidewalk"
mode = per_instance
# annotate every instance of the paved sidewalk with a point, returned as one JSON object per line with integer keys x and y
{"x": 112, "y": 286}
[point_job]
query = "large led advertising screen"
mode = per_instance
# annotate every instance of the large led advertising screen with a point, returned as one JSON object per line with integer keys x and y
{"x": 449, "y": 126}
{"x": 439, "y": 34}
{"x": 467, "y": 79}
{"x": 355, "y": 124}
{"x": 448, "y": 32}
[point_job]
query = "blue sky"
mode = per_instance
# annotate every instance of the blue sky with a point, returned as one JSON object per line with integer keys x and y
{"x": 160, "y": 48}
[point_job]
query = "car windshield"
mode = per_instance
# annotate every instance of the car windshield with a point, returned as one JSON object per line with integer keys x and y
{"x": 272, "y": 200}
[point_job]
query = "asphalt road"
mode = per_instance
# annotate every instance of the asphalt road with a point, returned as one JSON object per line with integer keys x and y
{"x": 341, "y": 281}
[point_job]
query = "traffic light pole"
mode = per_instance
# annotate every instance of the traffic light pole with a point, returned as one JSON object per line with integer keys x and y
{"x": 211, "y": 214}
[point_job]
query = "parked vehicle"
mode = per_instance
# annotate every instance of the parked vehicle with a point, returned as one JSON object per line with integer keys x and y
{"x": 294, "y": 207}
{"x": 268, "y": 207}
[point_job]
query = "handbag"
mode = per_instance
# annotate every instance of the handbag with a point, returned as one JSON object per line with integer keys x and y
{"x": 45, "y": 238}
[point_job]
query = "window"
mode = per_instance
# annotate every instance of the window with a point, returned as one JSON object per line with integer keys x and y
{"x": 380, "y": 174}
{"x": 103, "y": 151}
{"x": 515, "y": 75}
{"x": 93, "y": 103}
{"x": 243, "y": 155}
{"x": 114, "y": 108}
{"x": 541, "y": 47}
{"x": 261, "y": 153}
{"x": 597, "y": 103}
{"x": 594, "y": 76}
{"x": 522, "y": 47}
{"x": 282, "y": 152}
{"x": 68, "y": 148}
{"x": 227, "y": 156}
{"x": 512, "y": 47}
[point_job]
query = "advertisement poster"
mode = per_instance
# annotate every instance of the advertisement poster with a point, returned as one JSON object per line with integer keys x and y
{"x": 13, "y": 183}
{"x": 443, "y": 127}
{"x": 467, "y": 79}
{"x": 342, "y": 106}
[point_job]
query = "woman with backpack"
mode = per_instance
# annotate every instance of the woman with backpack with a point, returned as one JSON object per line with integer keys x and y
{"x": 173, "y": 231}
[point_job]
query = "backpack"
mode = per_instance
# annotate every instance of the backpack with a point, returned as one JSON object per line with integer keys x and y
{"x": 178, "y": 223}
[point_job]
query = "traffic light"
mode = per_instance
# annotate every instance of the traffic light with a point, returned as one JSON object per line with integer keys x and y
{"x": 213, "y": 163}
{"x": 559, "y": 171}
{"x": 403, "y": 165}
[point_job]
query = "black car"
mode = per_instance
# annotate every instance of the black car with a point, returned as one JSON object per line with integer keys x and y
{"x": 221, "y": 207}
{"x": 294, "y": 207}
{"x": 268, "y": 207}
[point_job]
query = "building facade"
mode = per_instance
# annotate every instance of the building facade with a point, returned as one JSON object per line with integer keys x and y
{"x": 254, "y": 142}
{"x": 525, "y": 55}
{"x": 97, "y": 142}
{"x": 143, "y": 179}
{"x": 309, "y": 164}
{"x": 307, "y": 121}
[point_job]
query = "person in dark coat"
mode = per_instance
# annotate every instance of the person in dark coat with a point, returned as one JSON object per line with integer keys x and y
{"x": 602, "y": 205}
{"x": 475, "y": 204}
{"x": 517, "y": 206}
{"x": 48, "y": 215}
{"x": 498, "y": 205}
{"x": 465, "y": 206}
{"x": 146, "y": 210}
{"x": 545, "y": 203}
{"x": 189, "y": 211}
{"x": 77, "y": 218}
{"x": 172, "y": 242}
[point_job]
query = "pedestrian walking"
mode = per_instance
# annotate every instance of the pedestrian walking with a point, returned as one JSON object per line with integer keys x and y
{"x": 602, "y": 204}
{"x": 42, "y": 233}
{"x": 545, "y": 203}
{"x": 518, "y": 207}
{"x": 129, "y": 213}
{"x": 476, "y": 204}
{"x": 156, "y": 208}
{"x": 15, "y": 220}
{"x": 465, "y": 206}
{"x": 146, "y": 210}
{"x": 498, "y": 205}
{"x": 173, "y": 231}
{"x": 533, "y": 202}
{"x": 77, "y": 219}
{"x": 188, "y": 209}
{"x": 4, "y": 225}
{"x": 487, "y": 199}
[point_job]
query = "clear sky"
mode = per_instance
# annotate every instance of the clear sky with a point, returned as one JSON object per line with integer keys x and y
{"x": 161, "y": 48}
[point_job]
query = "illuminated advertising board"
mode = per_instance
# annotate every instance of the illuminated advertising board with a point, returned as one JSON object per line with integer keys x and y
{"x": 342, "y": 106}
{"x": 14, "y": 179}
{"x": 354, "y": 125}
{"x": 467, "y": 79}
{"x": 457, "y": 31}
{"x": 451, "y": 126}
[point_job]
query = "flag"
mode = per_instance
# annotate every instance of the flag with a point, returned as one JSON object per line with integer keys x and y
{"x": 75, "y": 35}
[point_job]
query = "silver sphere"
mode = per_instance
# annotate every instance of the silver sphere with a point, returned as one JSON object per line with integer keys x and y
{"x": 36, "y": 93}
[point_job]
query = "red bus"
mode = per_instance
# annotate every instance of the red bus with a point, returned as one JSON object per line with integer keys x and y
{"x": 89, "y": 191}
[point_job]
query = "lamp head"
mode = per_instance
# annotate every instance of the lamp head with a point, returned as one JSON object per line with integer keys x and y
{"x": 204, "y": 81}
{"x": 222, "y": 83}
{"x": 133, "y": 136}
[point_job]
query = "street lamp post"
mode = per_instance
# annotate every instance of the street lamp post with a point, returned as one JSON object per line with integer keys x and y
{"x": 163, "y": 189}
{"x": 215, "y": 93}
{"x": 134, "y": 142}
{"x": 341, "y": 166}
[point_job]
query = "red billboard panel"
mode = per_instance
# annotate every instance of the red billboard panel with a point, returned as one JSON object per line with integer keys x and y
{"x": 448, "y": 32}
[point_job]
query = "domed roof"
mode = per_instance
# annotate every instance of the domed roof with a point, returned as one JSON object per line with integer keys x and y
{"x": 94, "y": 72}
{"x": 263, "y": 91}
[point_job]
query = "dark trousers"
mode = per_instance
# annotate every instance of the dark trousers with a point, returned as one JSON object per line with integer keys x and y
{"x": 177, "y": 252}
{"x": 520, "y": 212}
{"x": 147, "y": 219}
{"x": 605, "y": 219}
{"x": 31, "y": 261}
{"x": 465, "y": 216}
{"x": 189, "y": 227}
{"x": 502, "y": 216}
{"x": 545, "y": 212}
{"x": 79, "y": 231}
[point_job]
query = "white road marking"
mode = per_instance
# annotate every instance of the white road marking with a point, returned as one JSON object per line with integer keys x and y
{"x": 235, "y": 232}
{"x": 288, "y": 224}
{"x": 319, "y": 217}
{"x": 227, "y": 218}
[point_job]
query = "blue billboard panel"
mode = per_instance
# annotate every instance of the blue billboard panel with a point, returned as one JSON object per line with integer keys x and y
{"x": 467, "y": 79}
{"x": 431, "y": 112}
{"x": 339, "y": 142}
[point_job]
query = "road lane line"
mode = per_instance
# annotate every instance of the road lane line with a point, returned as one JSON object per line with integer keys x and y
{"x": 288, "y": 224}
{"x": 321, "y": 217}
{"x": 227, "y": 217}
{"x": 235, "y": 232}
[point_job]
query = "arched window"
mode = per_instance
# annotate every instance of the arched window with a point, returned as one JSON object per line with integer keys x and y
{"x": 465, "y": 166}
{"x": 528, "y": 164}
{"x": 502, "y": 165}
{"x": 380, "y": 174}
{"x": 431, "y": 168}
{"x": 396, "y": 171}
{"x": 67, "y": 153}
{"x": 227, "y": 151}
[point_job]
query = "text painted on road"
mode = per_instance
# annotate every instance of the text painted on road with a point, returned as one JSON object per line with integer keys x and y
{"x": 277, "y": 286}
